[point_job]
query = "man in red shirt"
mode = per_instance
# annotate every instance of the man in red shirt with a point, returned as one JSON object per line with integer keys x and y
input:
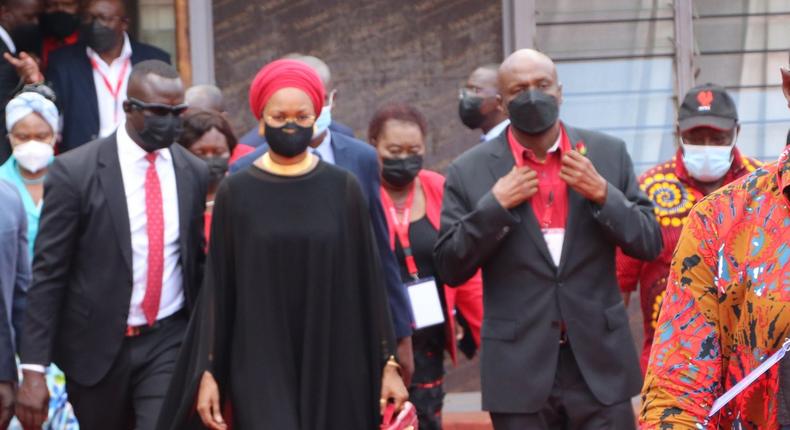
{"x": 706, "y": 160}
{"x": 59, "y": 25}
{"x": 541, "y": 209}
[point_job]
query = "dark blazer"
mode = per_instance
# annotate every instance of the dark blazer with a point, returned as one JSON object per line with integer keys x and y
{"x": 79, "y": 300}
{"x": 71, "y": 75}
{"x": 360, "y": 159}
{"x": 254, "y": 139}
{"x": 526, "y": 296}
{"x": 9, "y": 84}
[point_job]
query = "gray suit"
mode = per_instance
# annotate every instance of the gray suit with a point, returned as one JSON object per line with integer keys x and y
{"x": 526, "y": 297}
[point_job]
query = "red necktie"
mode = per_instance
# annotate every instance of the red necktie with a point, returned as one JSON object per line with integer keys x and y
{"x": 156, "y": 241}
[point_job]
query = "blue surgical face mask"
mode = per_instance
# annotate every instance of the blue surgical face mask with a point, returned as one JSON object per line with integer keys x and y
{"x": 325, "y": 118}
{"x": 323, "y": 121}
{"x": 708, "y": 163}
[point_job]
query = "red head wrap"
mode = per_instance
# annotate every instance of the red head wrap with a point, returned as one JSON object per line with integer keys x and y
{"x": 285, "y": 74}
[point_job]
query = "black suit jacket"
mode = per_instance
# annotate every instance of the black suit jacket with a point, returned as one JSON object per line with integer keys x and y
{"x": 9, "y": 84}
{"x": 526, "y": 296}
{"x": 71, "y": 75}
{"x": 79, "y": 300}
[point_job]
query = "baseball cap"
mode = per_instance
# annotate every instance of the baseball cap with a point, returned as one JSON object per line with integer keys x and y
{"x": 707, "y": 105}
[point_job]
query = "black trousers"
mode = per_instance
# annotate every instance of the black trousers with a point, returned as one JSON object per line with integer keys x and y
{"x": 130, "y": 396}
{"x": 571, "y": 406}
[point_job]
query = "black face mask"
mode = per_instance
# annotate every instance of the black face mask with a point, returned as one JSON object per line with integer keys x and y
{"x": 159, "y": 132}
{"x": 27, "y": 38}
{"x": 59, "y": 25}
{"x": 217, "y": 168}
{"x": 288, "y": 144}
{"x": 400, "y": 172}
{"x": 469, "y": 111}
{"x": 99, "y": 37}
{"x": 533, "y": 112}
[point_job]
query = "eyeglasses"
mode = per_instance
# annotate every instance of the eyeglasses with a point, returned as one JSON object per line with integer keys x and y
{"x": 159, "y": 109}
{"x": 281, "y": 120}
{"x": 106, "y": 20}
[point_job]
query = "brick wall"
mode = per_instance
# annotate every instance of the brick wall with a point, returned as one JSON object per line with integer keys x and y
{"x": 379, "y": 50}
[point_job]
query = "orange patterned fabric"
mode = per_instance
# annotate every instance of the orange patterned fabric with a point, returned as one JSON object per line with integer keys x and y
{"x": 673, "y": 193}
{"x": 726, "y": 308}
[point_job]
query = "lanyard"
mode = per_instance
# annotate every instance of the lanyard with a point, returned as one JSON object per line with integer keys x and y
{"x": 751, "y": 377}
{"x": 401, "y": 227}
{"x": 114, "y": 91}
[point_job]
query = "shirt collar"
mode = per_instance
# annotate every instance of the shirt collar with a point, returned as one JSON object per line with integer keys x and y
{"x": 129, "y": 151}
{"x": 561, "y": 145}
{"x": 126, "y": 51}
{"x": 7, "y": 39}
{"x": 497, "y": 130}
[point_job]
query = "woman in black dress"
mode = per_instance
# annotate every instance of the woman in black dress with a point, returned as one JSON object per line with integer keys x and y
{"x": 292, "y": 329}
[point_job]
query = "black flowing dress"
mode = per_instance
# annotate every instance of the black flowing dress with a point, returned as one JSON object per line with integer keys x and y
{"x": 292, "y": 319}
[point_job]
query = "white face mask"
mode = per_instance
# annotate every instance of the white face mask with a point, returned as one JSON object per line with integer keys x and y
{"x": 34, "y": 155}
{"x": 707, "y": 163}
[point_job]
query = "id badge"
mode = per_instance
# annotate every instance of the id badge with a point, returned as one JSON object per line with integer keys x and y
{"x": 426, "y": 306}
{"x": 554, "y": 237}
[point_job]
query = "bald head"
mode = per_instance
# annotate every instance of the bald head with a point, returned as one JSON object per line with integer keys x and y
{"x": 317, "y": 65}
{"x": 206, "y": 97}
{"x": 115, "y": 7}
{"x": 524, "y": 70}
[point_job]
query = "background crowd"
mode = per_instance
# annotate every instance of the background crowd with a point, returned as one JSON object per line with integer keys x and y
{"x": 159, "y": 272}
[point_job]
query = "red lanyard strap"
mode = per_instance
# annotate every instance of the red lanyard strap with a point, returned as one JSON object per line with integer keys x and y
{"x": 114, "y": 90}
{"x": 401, "y": 227}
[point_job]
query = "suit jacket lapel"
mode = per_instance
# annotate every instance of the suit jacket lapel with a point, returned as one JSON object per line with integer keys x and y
{"x": 111, "y": 181}
{"x": 340, "y": 150}
{"x": 501, "y": 163}
{"x": 576, "y": 205}
{"x": 185, "y": 191}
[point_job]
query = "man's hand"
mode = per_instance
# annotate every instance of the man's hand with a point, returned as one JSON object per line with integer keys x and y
{"x": 7, "y": 398}
{"x": 406, "y": 359}
{"x": 516, "y": 187}
{"x": 580, "y": 174}
{"x": 26, "y": 67}
{"x": 392, "y": 388}
{"x": 32, "y": 402}
{"x": 208, "y": 405}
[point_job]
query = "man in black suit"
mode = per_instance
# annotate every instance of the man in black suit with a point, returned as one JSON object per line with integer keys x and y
{"x": 18, "y": 19}
{"x": 541, "y": 208}
{"x": 90, "y": 77}
{"x": 118, "y": 260}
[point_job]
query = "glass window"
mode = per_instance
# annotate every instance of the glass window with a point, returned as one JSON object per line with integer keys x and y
{"x": 630, "y": 99}
{"x": 742, "y": 33}
{"x": 157, "y": 24}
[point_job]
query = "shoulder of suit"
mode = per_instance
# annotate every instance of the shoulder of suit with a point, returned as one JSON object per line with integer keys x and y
{"x": 9, "y": 194}
{"x": 68, "y": 54}
{"x": 355, "y": 144}
{"x": 592, "y": 137}
{"x": 480, "y": 151}
{"x": 144, "y": 51}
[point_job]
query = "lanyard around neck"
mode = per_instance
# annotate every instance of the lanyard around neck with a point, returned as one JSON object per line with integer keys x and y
{"x": 401, "y": 227}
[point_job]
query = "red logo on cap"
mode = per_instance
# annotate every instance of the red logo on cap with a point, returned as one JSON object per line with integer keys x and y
{"x": 705, "y": 98}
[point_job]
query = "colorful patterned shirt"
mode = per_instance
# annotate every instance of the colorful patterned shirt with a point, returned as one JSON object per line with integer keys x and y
{"x": 726, "y": 308}
{"x": 673, "y": 193}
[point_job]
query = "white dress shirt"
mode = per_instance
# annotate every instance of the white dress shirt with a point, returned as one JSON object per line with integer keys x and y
{"x": 111, "y": 106}
{"x": 7, "y": 40}
{"x": 133, "y": 170}
{"x": 324, "y": 150}
{"x": 496, "y": 131}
